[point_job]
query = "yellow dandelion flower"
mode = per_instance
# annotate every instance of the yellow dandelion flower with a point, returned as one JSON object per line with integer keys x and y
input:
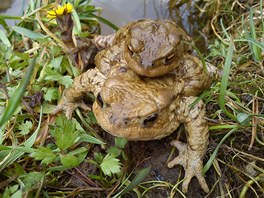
{"x": 68, "y": 8}
{"x": 60, "y": 10}
{"x": 51, "y": 14}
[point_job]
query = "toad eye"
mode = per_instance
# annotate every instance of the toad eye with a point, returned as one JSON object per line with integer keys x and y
{"x": 99, "y": 100}
{"x": 169, "y": 58}
{"x": 130, "y": 50}
{"x": 150, "y": 120}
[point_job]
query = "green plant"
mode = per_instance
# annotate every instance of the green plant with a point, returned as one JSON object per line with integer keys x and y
{"x": 40, "y": 154}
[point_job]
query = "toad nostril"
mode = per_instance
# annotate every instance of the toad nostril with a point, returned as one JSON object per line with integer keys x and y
{"x": 125, "y": 121}
{"x": 123, "y": 69}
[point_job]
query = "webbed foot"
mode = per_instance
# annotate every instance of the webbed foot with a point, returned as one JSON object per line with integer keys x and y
{"x": 192, "y": 162}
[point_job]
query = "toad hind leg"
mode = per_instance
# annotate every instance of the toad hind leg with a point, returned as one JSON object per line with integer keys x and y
{"x": 191, "y": 154}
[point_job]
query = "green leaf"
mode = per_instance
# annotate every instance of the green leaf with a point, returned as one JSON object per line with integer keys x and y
{"x": 28, "y": 33}
{"x": 255, "y": 49}
{"x": 115, "y": 151}
{"x": 77, "y": 23}
{"x": 110, "y": 165}
{"x": 135, "y": 182}
{"x": 2, "y": 16}
{"x": 31, "y": 179}
{"x": 45, "y": 154}
{"x": 17, "y": 148}
{"x": 17, "y": 170}
{"x": 120, "y": 142}
{"x": 88, "y": 138}
{"x": 242, "y": 118}
{"x": 31, "y": 140}
{"x": 63, "y": 142}
{"x": 213, "y": 156}
{"x": 25, "y": 127}
{"x": 56, "y": 62}
{"x": 10, "y": 190}
{"x": 16, "y": 98}
{"x": 78, "y": 126}
{"x": 224, "y": 81}
{"x": 69, "y": 161}
{"x": 98, "y": 157}
{"x": 4, "y": 24}
{"x": 65, "y": 133}
{"x": 51, "y": 94}
{"x": 80, "y": 153}
{"x": 54, "y": 76}
{"x": 4, "y": 39}
{"x": 17, "y": 194}
{"x": 66, "y": 81}
{"x": 105, "y": 21}
{"x": 13, "y": 155}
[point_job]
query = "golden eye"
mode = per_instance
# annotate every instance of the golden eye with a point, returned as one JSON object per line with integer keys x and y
{"x": 170, "y": 56}
{"x": 168, "y": 59}
{"x": 99, "y": 100}
{"x": 150, "y": 120}
{"x": 130, "y": 50}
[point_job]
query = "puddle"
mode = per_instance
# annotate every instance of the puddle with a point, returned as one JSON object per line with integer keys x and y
{"x": 120, "y": 12}
{"x": 13, "y": 8}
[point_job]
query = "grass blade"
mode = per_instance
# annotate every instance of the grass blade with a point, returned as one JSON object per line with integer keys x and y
{"x": 137, "y": 180}
{"x": 210, "y": 161}
{"x": 10, "y": 17}
{"x": 255, "y": 50}
{"x": 4, "y": 38}
{"x": 12, "y": 155}
{"x": 77, "y": 26}
{"x": 105, "y": 22}
{"x": 28, "y": 33}
{"x": 224, "y": 81}
{"x": 261, "y": 14}
{"x": 252, "y": 41}
{"x": 16, "y": 98}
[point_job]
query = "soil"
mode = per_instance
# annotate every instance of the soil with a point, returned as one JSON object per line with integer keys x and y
{"x": 143, "y": 154}
{"x": 156, "y": 154}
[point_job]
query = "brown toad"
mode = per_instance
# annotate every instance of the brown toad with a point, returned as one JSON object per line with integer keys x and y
{"x": 146, "y": 108}
{"x": 149, "y": 47}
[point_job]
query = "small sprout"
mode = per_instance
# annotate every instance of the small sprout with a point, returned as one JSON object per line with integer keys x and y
{"x": 60, "y": 10}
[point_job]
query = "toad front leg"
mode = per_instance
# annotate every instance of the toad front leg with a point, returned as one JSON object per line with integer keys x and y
{"x": 191, "y": 154}
{"x": 104, "y": 41}
{"x": 90, "y": 81}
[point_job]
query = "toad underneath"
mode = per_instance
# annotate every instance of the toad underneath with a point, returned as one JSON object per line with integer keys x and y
{"x": 137, "y": 107}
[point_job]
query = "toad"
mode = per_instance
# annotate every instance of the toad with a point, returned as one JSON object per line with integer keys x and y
{"x": 150, "y": 47}
{"x": 147, "y": 108}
